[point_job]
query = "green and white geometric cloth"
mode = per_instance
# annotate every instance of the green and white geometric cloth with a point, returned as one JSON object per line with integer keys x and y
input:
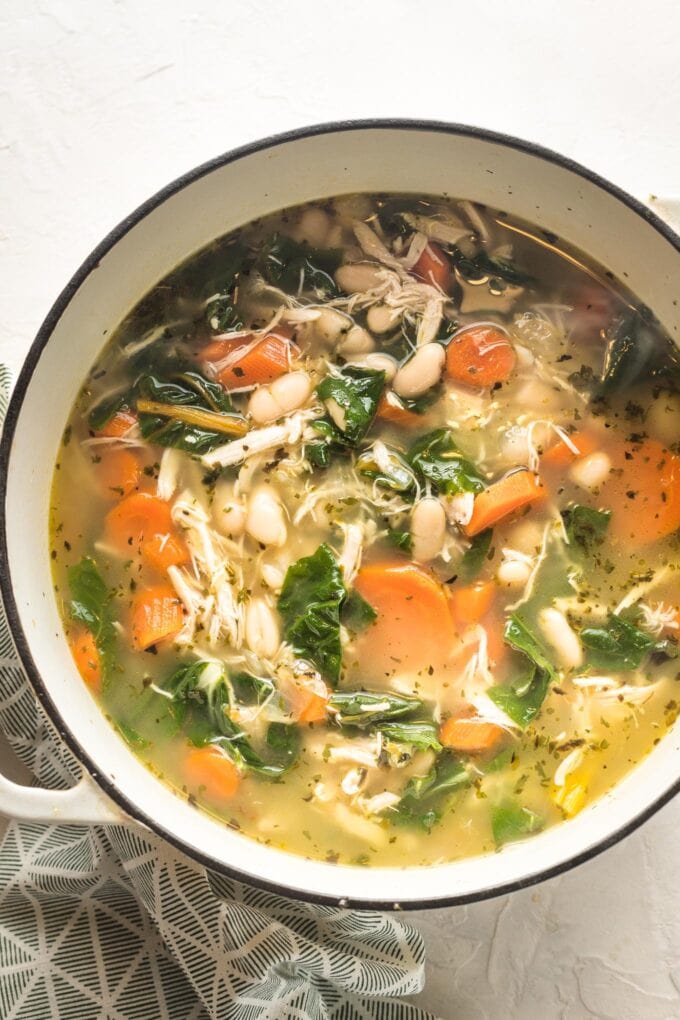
{"x": 111, "y": 923}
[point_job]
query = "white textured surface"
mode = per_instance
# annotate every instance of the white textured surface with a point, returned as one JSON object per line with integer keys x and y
{"x": 103, "y": 102}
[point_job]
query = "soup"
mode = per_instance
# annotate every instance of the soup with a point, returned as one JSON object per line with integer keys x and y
{"x": 365, "y": 530}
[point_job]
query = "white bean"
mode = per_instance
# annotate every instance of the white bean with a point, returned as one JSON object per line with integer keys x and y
{"x": 331, "y": 325}
{"x": 265, "y": 521}
{"x": 525, "y": 536}
{"x": 428, "y": 528}
{"x": 313, "y": 227}
{"x": 379, "y": 362}
{"x": 262, "y": 629}
{"x": 357, "y": 341}
{"x": 272, "y": 576}
{"x": 663, "y": 417}
{"x": 337, "y": 413}
{"x": 513, "y": 573}
{"x": 422, "y": 372}
{"x": 285, "y": 394}
{"x": 382, "y": 318}
{"x": 357, "y": 277}
{"x": 540, "y": 397}
{"x": 562, "y": 639}
{"x": 228, "y": 514}
{"x": 335, "y": 237}
{"x": 591, "y": 471}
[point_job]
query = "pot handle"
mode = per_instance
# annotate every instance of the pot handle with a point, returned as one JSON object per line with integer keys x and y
{"x": 83, "y": 803}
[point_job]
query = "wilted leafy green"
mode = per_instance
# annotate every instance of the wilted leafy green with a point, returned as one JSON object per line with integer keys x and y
{"x": 356, "y": 612}
{"x": 202, "y": 703}
{"x": 475, "y": 555}
{"x": 388, "y": 468}
{"x": 91, "y": 606}
{"x": 635, "y": 350}
{"x": 616, "y": 644}
{"x": 436, "y": 457}
{"x": 472, "y": 267}
{"x": 183, "y": 389}
{"x": 357, "y": 392}
{"x": 586, "y": 527}
{"x": 421, "y": 735}
{"x": 425, "y": 796}
{"x": 295, "y": 266}
{"x": 510, "y": 822}
{"x": 309, "y": 603}
{"x": 366, "y": 708}
{"x": 521, "y": 698}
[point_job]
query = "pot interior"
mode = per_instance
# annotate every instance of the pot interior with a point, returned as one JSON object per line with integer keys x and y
{"x": 428, "y": 159}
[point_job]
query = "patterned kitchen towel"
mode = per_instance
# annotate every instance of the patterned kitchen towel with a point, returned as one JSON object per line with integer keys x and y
{"x": 112, "y": 923}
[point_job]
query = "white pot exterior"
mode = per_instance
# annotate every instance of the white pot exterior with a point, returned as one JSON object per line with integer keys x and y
{"x": 425, "y": 158}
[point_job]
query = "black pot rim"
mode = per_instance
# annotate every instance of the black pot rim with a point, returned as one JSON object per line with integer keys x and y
{"x": 16, "y": 401}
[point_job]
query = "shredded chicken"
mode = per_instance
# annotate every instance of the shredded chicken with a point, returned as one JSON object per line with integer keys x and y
{"x": 293, "y": 430}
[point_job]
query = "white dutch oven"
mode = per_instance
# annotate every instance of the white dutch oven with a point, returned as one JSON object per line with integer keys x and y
{"x": 332, "y": 159}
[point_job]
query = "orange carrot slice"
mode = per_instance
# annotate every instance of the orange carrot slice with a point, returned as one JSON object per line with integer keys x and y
{"x": 306, "y": 706}
{"x": 86, "y": 657}
{"x": 433, "y": 267}
{"x": 218, "y": 349}
{"x": 560, "y": 455}
{"x": 503, "y": 498}
{"x": 643, "y": 492}
{"x": 480, "y": 356}
{"x": 120, "y": 423}
{"x": 208, "y": 771}
{"x": 263, "y": 363}
{"x": 119, "y": 472}
{"x": 471, "y": 603}
{"x": 469, "y": 734}
{"x": 157, "y": 614}
{"x": 138, "y": 517}
{"x": 414, "y": 628}
{"x": 390, "y": 408}
{"x": 163, "y": 551}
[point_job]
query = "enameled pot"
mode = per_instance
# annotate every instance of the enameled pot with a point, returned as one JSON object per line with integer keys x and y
{"x": 332, "y": 159}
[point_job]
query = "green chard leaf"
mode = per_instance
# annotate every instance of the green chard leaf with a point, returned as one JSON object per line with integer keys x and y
{"x": 522, "y": 698}
{"x": 356, "y": 613}
{"x": 586, "y": 527}
{"x": 221, "y": 312}
{"x": 425, "y": 797}
{"x": 437, "y": 459}
{"x": 187, "y": 389}
{"x": 357, "y": 391}
{"x": 102, "y": 413}
{"x": 387, "y": 468}
{"x": 91, "y": 606}
{"x": 475, "y": 556}
{"x": 616, "y": 644}
{"x": 634, "y": 350}
{"x": 366, "y": 708}
{"x": 296, "y": 267}
{"x": 309, "y": 603}
{"x": 482, "y": 264}
{"x": 131, "y": 735}
{"x": 520, "y": 637}
{"x": 202, "y": 703}
{"x": 400, "y": 540}
{"x": 251, "y": 690}
{"x": 420, "y": 735}
{"x": 319, "y": 454}
{"x": 283, "y": 745}
{"x": 510, "y": 822}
